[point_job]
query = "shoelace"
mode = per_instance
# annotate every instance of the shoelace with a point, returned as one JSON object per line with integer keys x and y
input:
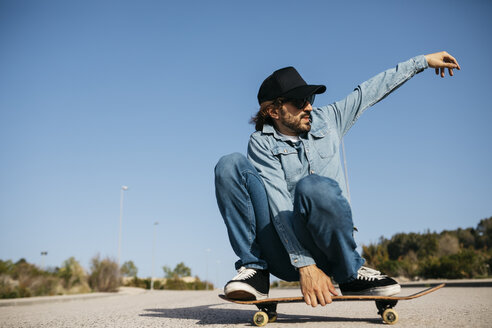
{"x": 369, "y": 274}
{"x": 244, "y": 274}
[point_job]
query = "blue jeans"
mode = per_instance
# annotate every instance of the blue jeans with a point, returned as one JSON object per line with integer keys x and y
{"x": 322, "y": 221}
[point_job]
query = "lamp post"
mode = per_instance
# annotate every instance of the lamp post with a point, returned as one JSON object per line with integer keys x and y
{"x": 42, "y": 259}
{"x": 206, "y": 268}
{"x": 123, "y": 188}
{"x": 153, "y": 255}
{"x": 217, "y": 277}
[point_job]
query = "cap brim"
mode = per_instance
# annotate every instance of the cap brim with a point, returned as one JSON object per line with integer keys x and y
{"x": 304, "y": 91}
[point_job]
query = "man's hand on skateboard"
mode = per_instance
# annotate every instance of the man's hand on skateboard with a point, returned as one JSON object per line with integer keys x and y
{"x": 316, "y": 286}
{"x": 442, "y": 60}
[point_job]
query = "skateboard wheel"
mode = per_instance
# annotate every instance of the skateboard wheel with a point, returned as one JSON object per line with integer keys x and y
{"x": 260, "y": 319}
{"x": 390, "y": 316}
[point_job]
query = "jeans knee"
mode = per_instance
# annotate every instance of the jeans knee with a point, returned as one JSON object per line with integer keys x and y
{"x": 229, "y": 166}
{"x": 320, "y": 200}
{"x": 315, "y": 186}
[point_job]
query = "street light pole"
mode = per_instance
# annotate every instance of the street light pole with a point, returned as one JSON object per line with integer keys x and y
{"x": 217, "y": 277}
{"x": 42, "y": 259}
{"x": 206, "y": 268}
{"x": 123, "y": 188}
{"x": 153, "y": 255}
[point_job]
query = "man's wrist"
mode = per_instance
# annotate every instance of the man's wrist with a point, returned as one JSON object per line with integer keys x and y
{"x": 307, "y": 268}
{"x": 420, "y": 63}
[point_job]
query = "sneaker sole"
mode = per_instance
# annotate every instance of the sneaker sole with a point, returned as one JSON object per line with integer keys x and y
{"x": 378, "y": 291}
{"x": 242, "y": 291}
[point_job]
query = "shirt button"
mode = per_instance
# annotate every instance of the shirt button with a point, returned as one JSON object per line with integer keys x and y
{"x": 295, "y": 261}
{"x": 285, "y": 150}
{"x": 312, "y": 172}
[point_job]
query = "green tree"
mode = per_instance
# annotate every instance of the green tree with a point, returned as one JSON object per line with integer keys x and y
{"x": 23, "y": 269}
{"x": 181, "y": 270}
{"x": 375, "y": 254}
{"x": 128, "y": 269}
{"x": 6, "y": 267}
{"x": 484, "y": 231}
{"x": 466, "y": 237}
{"x": 461, "y": 253}
{"x": 401, "y": 244}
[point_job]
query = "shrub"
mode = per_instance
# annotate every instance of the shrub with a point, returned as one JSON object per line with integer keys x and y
{"x": 177, "y": 283}
{"x": 158, "y": 284}
{"x": 104, "y": 275}
{"x": 73, "y": 276}
{"x": 375, "y": 255}
{"x": 22, "y": 270}
{"x": 466, "y": 237}
{"x": 45, "y": 285}
{"x": 468, "y": 263}
{"x": 8, "y": 287}
{"x": 284, "y": 284}
{"x": 137, "y": 282}
{"x": 23, "y": 279}
{"x": 484, "y": 232}
{"x": 448, "y": 245}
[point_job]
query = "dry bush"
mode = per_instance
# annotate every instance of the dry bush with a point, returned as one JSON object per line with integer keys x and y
{"x": 8, "y": 287}
{"x": 448, "y": 245}
{"x": 74, "y": 277}
{"x": 45, "y": 285}
{"x": 104, "y": 275}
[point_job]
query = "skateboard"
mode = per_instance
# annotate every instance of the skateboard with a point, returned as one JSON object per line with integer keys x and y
{"x": 268, "y": 307}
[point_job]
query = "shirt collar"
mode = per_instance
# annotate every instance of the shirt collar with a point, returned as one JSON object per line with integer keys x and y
{"x": 269, "y": 129}
{"x": 318, "y": 130}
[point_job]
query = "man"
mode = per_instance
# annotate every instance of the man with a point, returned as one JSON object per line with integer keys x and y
{"x": 285, "y": 206}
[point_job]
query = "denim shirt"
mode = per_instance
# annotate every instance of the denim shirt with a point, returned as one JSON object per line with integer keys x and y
{"x": 282, "y": 163}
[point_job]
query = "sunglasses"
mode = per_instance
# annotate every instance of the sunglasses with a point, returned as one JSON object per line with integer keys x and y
{"x": 301, "y": 103}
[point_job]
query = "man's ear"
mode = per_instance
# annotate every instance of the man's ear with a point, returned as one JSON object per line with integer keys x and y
{"x": 273, "y": 112}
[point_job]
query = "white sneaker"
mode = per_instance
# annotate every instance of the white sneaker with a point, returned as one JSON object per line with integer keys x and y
{"x": 248, "y": 284}
{"x": 370, "y": 282}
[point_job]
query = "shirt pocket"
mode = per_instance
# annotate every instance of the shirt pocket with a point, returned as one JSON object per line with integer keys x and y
{"x": 326, "y": 145}
{"x": 289, "y": 159}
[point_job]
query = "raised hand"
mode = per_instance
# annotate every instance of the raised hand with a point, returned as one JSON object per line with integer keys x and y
{"x": 442, "y": 60}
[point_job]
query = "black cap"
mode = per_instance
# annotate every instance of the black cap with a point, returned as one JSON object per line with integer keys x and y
{"x": 287, "y": 82}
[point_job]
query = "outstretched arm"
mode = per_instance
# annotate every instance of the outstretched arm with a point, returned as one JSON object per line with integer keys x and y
{"x": 442, "y": 60}
{"x": 346, "y": 111}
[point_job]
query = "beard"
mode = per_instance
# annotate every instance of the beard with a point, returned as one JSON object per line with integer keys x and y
{"x": 295, "y": 123}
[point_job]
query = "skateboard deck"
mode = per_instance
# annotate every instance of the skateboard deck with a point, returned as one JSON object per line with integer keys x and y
{"x": 385, "y": 304}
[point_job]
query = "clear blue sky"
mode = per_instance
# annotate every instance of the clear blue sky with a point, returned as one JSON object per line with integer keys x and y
{"x": 149, "y": 94}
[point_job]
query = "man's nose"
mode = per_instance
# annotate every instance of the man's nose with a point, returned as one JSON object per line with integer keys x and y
{"x": 308, "y": 107}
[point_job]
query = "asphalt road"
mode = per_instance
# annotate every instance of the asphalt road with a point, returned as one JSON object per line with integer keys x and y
{"x": 447, "y": 307}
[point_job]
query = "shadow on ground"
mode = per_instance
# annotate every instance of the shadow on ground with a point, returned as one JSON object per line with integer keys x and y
{"x": 209, "y": 314}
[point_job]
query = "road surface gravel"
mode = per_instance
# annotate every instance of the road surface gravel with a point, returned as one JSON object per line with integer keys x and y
{"x": 447, "y": 307}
